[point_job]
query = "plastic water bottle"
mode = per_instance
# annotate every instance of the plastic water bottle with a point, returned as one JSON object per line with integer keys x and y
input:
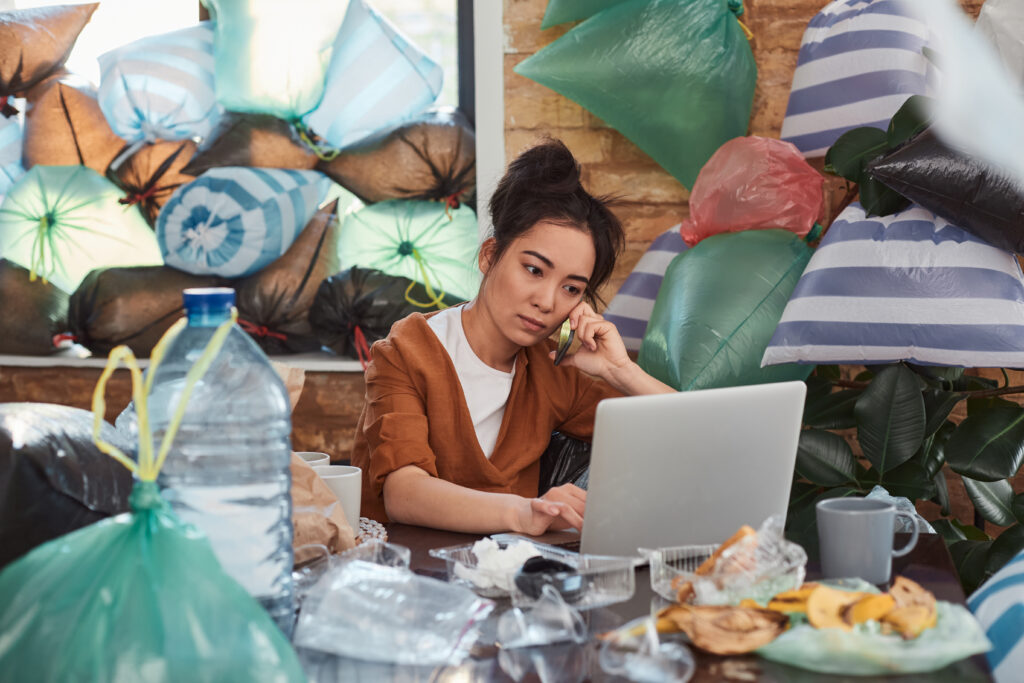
{"x": 227, "y": 471}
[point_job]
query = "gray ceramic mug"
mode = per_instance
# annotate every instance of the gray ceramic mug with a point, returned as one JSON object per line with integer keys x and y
{"x": 856, "y": 535}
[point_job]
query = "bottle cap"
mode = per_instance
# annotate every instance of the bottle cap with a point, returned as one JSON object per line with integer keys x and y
{"x": 209, "y": 298}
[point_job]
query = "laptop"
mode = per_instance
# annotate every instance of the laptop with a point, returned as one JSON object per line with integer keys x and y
{"x": 690, "y": 467}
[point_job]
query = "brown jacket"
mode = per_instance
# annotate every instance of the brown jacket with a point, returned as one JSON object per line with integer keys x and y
{"x": 415, "y": 414}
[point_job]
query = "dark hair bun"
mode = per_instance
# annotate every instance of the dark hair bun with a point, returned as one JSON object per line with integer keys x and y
{"x": 548, "y": 168}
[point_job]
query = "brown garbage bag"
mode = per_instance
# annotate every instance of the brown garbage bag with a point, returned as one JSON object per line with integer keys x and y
{"x": 273, "y": 305}
{"x": 64, "y": 126}
{"x": 34, "y": 42}
{"x": 431, "y": 158}
{"x": 317, "y": 516}
{"x": 132, "y": 306}
{"x": 151, "y": 175}
{"x": 30, "y": 312}
{"x": 252, "y": 140}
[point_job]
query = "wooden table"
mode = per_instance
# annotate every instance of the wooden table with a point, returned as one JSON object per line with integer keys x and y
{"x": 928, "y": 564}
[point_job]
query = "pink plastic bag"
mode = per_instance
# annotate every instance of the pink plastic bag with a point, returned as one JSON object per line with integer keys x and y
{"x": 754, "y": 183}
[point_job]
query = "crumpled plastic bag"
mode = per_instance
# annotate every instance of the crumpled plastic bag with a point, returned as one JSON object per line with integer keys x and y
{"x": 865, "y": 651}
{"x": 565, "y": 461}
{"x": 754, "y": 183}
{"x": 962, "y": 189}
{"x": 367, "y": 300}
{"x": 676, "y": 78}
{"x": 53, "y": 479}
{"x": 645, "y": 658}
{"x": 389, "y": 614}
{"x": 1002, "y": 23}
{"x": 718, "y": 307}
{"x": 32, "y": 312}
{"x": 905, "y": 505}
{"x": 273, "y": 304}
{"x": 548, "y": 621}
{"x": 562, "y": 11}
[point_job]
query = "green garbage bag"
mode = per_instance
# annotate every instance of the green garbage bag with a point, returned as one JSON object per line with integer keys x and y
{"x": 140, "y": 596}
{"x": 271, "y": 57}
{"x": 60, "y": 222}
{"x": 423, "y": 241}
{"x": 561, "y": 11}
{"x": 676, "y": 78}
{"x": 718, "y": 307}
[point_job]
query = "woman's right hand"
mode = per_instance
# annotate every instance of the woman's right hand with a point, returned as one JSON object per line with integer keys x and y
{"x": 535, "y": 516}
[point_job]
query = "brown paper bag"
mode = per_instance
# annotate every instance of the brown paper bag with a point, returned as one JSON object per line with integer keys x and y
{"x": 316, "y": 512}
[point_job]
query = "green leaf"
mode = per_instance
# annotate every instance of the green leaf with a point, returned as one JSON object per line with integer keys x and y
{"x": 878, "y": 199}
{"x": 993, "y": 500}
{"x": 912, "y": 118}
{"x": 941, "y": 492}
{"x": 909, "y": 480}
{"x": 938, "y": 405}
{"x": 824, "y": 458}
{"x": 853, "y": 150}
{"x": 834, "y": 411}
{"x": 976, "y": 406}
{"x": 934, "y": 457}
{"x": 948, "y": 532}
{"x": 801, "y": 493}
{"x": 829, "y": 372}
{"x": 1004, "y": 549}
{"x": 865, "y": 375}
{"x": 970, "y": 559}
{"x": 818, "y": 389}
{"x": 1018, "y": 507}
{"x": 972, "y": 532}
{"x": 988, "y": 446}
{"x": 936, "y": 376}
{"x": 890, "y": 418}
{"x": 974, "y": 383}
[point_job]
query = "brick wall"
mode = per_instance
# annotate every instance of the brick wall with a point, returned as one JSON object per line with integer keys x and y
{"x": 653, "y": 200}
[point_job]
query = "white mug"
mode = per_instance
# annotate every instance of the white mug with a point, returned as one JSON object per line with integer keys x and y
{"x": 346, "y": 482}
{"x": 314, "y": 459}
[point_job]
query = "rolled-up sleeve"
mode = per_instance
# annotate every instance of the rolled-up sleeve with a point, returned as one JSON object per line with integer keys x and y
{"x": 395, "y": 420}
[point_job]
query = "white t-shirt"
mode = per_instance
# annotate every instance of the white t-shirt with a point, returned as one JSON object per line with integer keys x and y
{"x": 485, "y": 388}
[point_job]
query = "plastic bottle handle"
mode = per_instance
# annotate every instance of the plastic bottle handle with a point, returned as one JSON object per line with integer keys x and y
{"x": 913, "y": 537}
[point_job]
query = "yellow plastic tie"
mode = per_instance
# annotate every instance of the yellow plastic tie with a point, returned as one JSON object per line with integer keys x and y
{"x": 437, "y": 299}
{"x": 746, "y": 31}
{"x": 323, "y": 153}
{"x": 148, "y": 468}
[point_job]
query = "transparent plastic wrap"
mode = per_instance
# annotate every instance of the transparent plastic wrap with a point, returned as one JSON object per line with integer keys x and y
{"x": 598, "y": 580}
{"x": 756, "y": 566}
{"x": 388, "y": 614}
{"x": 905, "y": 505}
{"x": 549, "y": 621}
{"x": 638, "y": 654}
{"x": 866, "y": 651}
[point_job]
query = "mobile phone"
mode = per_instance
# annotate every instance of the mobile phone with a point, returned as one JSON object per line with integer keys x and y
{"x": 565, "y": 336}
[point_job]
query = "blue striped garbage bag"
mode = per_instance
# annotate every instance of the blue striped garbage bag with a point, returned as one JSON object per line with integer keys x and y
{"x": 232, "y": 221}
{"x": 909, "y": 286}
{"x": 161, "y": 87}
{"x": 630, "y": 309}
{"x": 858, "y": 63}
{"x": 422, "y": 241}
{"x": 10, "y": 151}
{"x": 377, "y": 81}
{"x": 271, "y": 56}
{"x": 998, "y": 605}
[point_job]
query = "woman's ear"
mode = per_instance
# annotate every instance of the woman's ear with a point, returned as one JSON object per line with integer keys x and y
{"x": 485, "y": 257}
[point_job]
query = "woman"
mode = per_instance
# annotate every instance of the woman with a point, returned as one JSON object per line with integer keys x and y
{"x": 461, "y": 404}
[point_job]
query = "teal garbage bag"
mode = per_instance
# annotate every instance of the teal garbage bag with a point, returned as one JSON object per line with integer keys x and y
{"x": 140, "y": 596}
{"x": 561, "y": 11}
{"x": 718, "y": 307}
{"x": 676, "y": 78}
{"x": 423, "y": 241}
{"x": 271, "y": 57}
{"x": 60, "y": 222}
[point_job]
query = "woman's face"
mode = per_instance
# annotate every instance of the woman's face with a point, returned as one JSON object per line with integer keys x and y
{"x": 537, "y": 281}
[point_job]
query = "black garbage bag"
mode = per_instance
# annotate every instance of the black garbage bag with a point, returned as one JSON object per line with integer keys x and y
{"x": 432, "y": 158}
{"x": 360, "y": 304}
{"x": 273, "y": 305}
{"x": 53, "y": 479}
{"x": 151, "y": 175}
{"x": 30, "y": 313}
{"x": 566, "y": 461}
{"x": 132, "y": 306}
{"x": 251, "y": 140}
{"x": 957, "y": 187}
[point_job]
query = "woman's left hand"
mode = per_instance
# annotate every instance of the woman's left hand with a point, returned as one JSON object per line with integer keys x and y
{"x": 601, "y": 351}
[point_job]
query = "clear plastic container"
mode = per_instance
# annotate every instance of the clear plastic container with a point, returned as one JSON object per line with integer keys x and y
{"x": 604, "y": 580}
{"x": 670, "y": 567}
{"x": 228, "y": 469}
